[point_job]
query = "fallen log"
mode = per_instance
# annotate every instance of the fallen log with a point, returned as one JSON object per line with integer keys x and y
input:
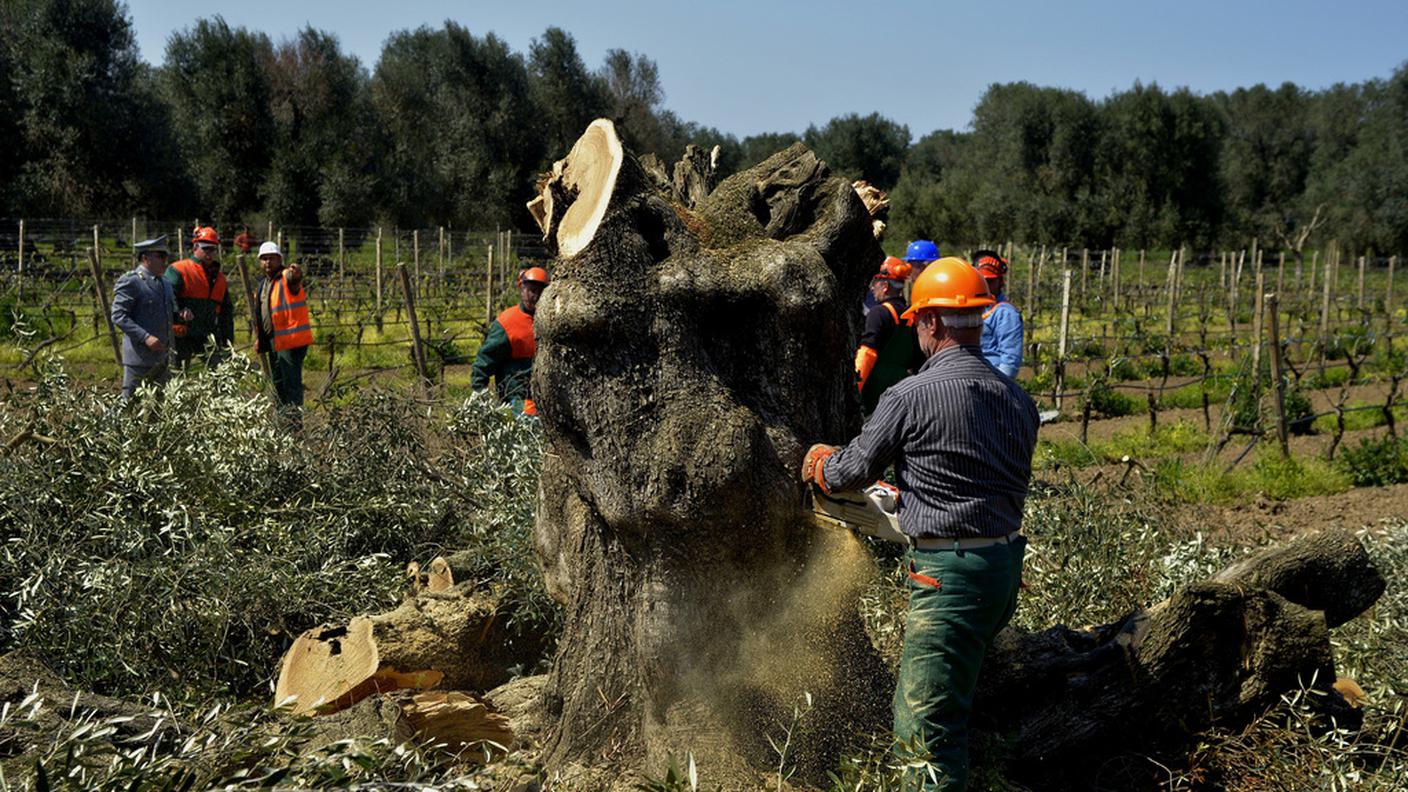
{"x": 1216, "y": 653}
{"x": 453, "y": 638}
{"x": 453, "y": 721}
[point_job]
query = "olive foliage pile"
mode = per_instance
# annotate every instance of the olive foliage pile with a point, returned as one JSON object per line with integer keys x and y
{"x": 180, "y": 543}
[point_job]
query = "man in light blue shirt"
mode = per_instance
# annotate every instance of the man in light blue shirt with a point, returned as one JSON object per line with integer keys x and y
{"x": 1002, "y": 323}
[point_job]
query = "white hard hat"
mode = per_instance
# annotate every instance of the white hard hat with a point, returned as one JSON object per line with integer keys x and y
{"x": 270, "y": 248}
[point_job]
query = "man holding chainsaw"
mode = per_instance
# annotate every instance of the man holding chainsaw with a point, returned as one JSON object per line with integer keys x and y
{"x": 961, "y": 437}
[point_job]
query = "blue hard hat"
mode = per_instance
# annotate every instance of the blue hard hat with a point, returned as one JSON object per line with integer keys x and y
{"x": 922, "y": 250}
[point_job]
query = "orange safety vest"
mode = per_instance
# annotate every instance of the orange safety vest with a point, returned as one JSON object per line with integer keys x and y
{"x": 519, "y": 326}
{"x": 292, "y": 328}
{"x": 195, "y": 286}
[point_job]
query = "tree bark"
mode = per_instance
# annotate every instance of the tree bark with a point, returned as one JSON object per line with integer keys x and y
{"x": 686, "y": 359}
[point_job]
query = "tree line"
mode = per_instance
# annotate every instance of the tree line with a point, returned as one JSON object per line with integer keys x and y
{"x": 450, "y": 127}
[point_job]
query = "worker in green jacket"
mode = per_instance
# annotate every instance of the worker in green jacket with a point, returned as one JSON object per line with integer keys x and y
{"x": 506, "y": 355}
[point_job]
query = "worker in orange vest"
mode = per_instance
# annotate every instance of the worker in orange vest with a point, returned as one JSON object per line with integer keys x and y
{"x": 281, "y": 317}
{"x": 201, "y": 288}
{"x": 887, "y": 351}
{"x": 506, "y": 353}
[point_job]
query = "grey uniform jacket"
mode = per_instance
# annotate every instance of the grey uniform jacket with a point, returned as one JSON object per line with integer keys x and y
{"x": 142, "y": 305}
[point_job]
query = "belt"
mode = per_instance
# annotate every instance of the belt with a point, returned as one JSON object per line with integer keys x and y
{"x": 971, "y": 543}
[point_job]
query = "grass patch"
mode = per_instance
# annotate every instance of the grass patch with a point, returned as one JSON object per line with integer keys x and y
{"x": 1268, "y": 476}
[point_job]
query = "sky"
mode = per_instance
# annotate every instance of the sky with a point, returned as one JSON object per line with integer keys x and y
{"x": 749, "y": 66}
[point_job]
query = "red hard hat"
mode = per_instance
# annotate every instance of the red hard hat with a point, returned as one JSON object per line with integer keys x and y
{"x": 205, "y": 235}
{"x": 534, "y": 275}
{"x": 893, "y": 269}
{"x": 990, "y": 264}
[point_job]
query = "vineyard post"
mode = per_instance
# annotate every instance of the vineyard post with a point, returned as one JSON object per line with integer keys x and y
{"x": 1314, "y": 265}
{"x": 100, "y": 294}
{"x": 180, "y": 245}
{"x": 1280, "y": 272}
{"x": 488, "y": 285}
{"x": 378, "y": 279}
{"x": 1031, "y": 286}
{"x": 1388, "y": 295}
{"x": 1178, "y": 280}
{"x": 1061, "y": 340}
{"x": 1100, "y": 282}
{"x": 280, "y": 240}
{"x": 1140, "y": 284}
{"x": 341, "y": 258}
{"x": 417, "y": 352}
{"x": 440, "y": 258}
{"x": 1222, "y": 270}
{"x": 1084, "y": 272}
{"x": 134, "y": 238}
{"x": 1272, "y": 306}
{"x": 1256, "y": 255}
{"x": 415, "y": 260}
{"x": 450, "y": 249}
{"x": 269, "y": 231}
{"x": 1326, "y": 283}
{"x": 264, "y": 363}
{"x": 1116, "y": 277}
{"x": 1258, "y": 308}
{"x": 19, "y": 265}
{"x": 1359, "y": 303}
{"x": 1171, "y": 305}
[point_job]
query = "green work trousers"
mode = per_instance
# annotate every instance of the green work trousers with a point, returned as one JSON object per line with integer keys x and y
{"x": 287, "y": 372}
{"x": 947, "y": 633}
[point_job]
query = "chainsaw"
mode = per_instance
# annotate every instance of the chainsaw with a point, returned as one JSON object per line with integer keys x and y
{"x": 870, "y": 511}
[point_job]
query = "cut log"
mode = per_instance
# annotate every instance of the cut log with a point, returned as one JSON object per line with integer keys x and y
{"x": 450, "y": 637}
{"x": 1219, "y": 652}
{"x": 458, "y": 721}
{"x": 452, "y": 721}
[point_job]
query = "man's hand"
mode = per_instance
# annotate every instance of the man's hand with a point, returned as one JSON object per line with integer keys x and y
{"x": 813, "y": 464}
{"x": 154, "y": 344}
{"x": 295, "y": 275}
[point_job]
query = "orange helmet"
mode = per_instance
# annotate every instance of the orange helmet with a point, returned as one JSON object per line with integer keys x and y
{"x": 534, "y": 275}
{"x": 205, "y": 235}
{"x": 893, "y": 269}
{"x": 990, "y": 264}
{"x": 948, "y": 283}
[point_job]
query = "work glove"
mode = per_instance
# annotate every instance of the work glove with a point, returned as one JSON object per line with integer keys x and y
{"x": 814, "y": 462}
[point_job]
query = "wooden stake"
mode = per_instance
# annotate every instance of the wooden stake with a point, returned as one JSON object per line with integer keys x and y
{"x": 415, "y": 259}
{"x": 1280, "y": 272}
{"x": 1222, "y": 271}
{"x": 1115, "y": 278}
{"x": 1388, "y": 293}
{"x": 1359, "y": 303}
{"x": 269, "y": 231}
{"x": 1257, "y": 320}
{"x": 264, "y": 364}
{"x": 1061, "y": 341}
{"x": 20, "y": 263}
{"x": 1326, "y": 283}
{"x": 1272, "y": 308}
{"x": 180, "y": 245}
{"x": 341, "y": 258}
{"x": 100, "y": 294}
{"x": 1084, "y": 271}
{"x": 418, "y": 353}
{"x": 1170, "y": 324}
{"x": 489, "y": 285}
{"x": 134, "y": 238}
{"x": 378, "y": 278}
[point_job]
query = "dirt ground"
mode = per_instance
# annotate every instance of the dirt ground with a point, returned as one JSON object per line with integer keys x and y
{"x": 1263, "y": 519}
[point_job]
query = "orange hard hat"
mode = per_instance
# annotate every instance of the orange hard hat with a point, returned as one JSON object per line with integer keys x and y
{"x": 534, "y": 275}
{"x": 205, "y": 235}
{"x": 893, "y": 269}
{"x": 990, "y": 264}
{"x": 949, "y": 282}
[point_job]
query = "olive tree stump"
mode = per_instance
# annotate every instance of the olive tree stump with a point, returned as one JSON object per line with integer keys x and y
{"x": 687, "y": 356}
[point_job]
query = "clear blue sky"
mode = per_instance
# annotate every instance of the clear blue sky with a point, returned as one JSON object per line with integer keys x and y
{"x": 750, "y": 66}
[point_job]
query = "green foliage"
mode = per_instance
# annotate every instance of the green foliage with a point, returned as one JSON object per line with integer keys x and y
{"x": 190, "y": 538}
{"x": 862, "y": 147}
{"x": 1376, "y": 462}
{"x": 1105, "y": 400}
{"x": 1268, "y": 476}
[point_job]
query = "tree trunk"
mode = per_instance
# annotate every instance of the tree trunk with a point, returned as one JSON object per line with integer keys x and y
{"x": 1219, "y": 652}
{"x": 686, "y": 359}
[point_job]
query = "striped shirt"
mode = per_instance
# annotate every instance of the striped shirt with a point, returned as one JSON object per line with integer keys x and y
{"x": 961, "y": 437}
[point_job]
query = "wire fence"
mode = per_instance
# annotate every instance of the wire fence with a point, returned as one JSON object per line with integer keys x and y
{"x": 1140, "y": 322}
